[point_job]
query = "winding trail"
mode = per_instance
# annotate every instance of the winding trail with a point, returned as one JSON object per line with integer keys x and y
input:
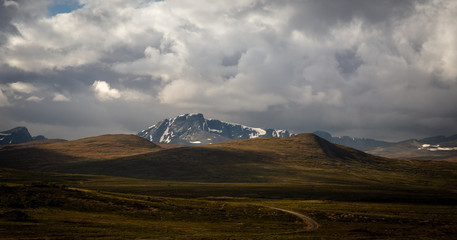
{"x": 311, "y": 224}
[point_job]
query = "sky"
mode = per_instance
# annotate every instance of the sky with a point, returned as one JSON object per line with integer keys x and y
{"x": 379, "y": 69}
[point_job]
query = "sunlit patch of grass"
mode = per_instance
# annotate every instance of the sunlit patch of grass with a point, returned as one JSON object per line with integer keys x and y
{"x": 103, "y": 147}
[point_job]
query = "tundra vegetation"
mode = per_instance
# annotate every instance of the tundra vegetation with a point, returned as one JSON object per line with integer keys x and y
{"x": 221, "y": 191}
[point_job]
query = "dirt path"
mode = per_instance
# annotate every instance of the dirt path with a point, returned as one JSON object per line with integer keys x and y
{"x": 311, "y": 224}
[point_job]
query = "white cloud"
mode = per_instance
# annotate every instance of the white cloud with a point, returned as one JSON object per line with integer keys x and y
{"x": 58, "y": 97}
{"x": 22, "y": 87}
{"x": 9, "y": 3}
{"x": 104, "y": 92}
{"x": 135, "y": 96}
{"x": 17, "y": 91}
{"x": 34, "y": 99}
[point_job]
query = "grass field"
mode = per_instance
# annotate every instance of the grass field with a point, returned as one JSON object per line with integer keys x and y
{"x": 101, "y": 207}
{"x": 367, "y": 220}
{"x": 52, "y": 211}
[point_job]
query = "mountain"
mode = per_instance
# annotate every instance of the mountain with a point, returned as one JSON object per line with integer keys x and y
{"x": 18, "y": 135}
{"x": 431, "y": 148}
{"x": 357, "y": 143}
{"x": 438, "y": 139}
{"x": 195, "y": 129}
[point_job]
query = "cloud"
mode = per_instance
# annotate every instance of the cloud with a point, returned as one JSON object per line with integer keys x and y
{"x": 34, "y": 99}
{"x": 22, "y": 87}
{"x": 349, "y": 66}
{"x": 104, "y": 92}
{"x": 58, "y": 97}
{"x": 7, "y": 11}
{"x": 10, "y": 3}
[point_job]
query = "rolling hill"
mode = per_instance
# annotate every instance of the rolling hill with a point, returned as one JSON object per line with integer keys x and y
{"x": 87, "y": 149}
{"x": 298, "y": 159}
{"x": 304, "y": 156}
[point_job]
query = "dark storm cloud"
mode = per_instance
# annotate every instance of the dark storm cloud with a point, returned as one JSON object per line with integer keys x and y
{"x": 321, "y": 16}
{"x": 365, "y": 68}
{"x": 7, "y": 12}
{"x": 348, "y": 61}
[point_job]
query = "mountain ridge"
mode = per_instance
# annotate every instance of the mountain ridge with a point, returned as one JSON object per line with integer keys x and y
{"x": 430, "y": 148}
{"x": 369, "y": 143}
{"x": 357, "y": 143}
{"x": 18, "y": 135}
{"x": 194, "y": 129}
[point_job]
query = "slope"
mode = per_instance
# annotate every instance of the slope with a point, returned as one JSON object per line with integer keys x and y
{"x": 417, "y": 149}
{"x": 37, "y": 142}
{"x": 304, "y": 158}
{"x": 357, "y": 143}
{"x": 87, "y": 149}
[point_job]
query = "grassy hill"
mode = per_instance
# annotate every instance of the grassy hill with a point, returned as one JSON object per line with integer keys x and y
{"x": 302, "y": 159}
{"x": 87, "y": 149}
{"x": 103, "y": 147}
{"x": 303, "y": 166}
{"x": 305, "y": 157}
{"x": 32, "y": 143}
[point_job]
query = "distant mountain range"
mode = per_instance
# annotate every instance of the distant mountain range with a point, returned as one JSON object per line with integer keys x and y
{"x": 357, "y": 143}
{"x": 18, "y": 135}
{"x": 195, "y": 129}
{"x": 430, "y": 148}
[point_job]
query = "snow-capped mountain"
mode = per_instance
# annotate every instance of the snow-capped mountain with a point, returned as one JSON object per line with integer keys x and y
{"x": 17, "y": 135}
{"x": 195, "y": 129}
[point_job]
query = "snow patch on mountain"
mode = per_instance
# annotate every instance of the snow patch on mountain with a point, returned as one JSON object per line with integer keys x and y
{"x": 195, "y": 129}
{"x": 434, "y": 148}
